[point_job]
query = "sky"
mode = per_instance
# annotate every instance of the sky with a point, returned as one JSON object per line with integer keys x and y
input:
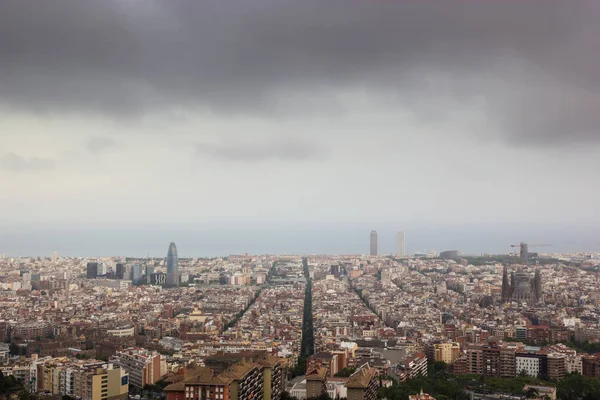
{"x": 282, "y": 126}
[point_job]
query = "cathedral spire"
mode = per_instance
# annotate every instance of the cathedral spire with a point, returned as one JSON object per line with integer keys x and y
{"x": 505, "y": 285}
{"x": 537, "y": 285}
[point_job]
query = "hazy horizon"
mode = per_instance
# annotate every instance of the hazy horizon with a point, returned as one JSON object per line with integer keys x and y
{"x": 282, "y": 240}
{"x": 479, "y": 120}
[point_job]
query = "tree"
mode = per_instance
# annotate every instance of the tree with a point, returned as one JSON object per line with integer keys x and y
{"x": 287, "y": 396}
{"x": 320, "y": 397}
{"x": 300, "y": 368}
{"x": 346, "y": 372}
{"x": 439, "y": 366}
{"x": 9, "y": 385}
{"x": 576, "y": 387}
{"x": 14, "y": 349}
{"x": 152, "y": 388}
{"x": 531, "y": 393}
{"x": 25, "y": 395}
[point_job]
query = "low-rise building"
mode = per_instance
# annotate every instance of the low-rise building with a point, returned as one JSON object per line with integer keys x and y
{"x": 421, "y": 396}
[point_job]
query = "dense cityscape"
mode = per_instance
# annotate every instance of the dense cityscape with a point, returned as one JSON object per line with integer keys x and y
{"x": 514, "y": 326}
{"x": 299, "y": 200}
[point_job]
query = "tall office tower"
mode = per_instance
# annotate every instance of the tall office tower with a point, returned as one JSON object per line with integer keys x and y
{"x": 172, "y": 266}
{"x": 149, "y": 270}
{"x": 120, "y": 273}
{"x": 102, "y": 269}
{"x": 401, "y": 245}
{"x": 92, "y": 270}
{"x": 54, "y": 257}
{"x": 136, "y": 274}
{"x": 373, "y": 243}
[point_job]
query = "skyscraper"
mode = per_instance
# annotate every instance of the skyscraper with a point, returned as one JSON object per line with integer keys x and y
{"x": 401, "y": 251}
{"x": 120, "y": 273}
{"x": 148, "y": 272}
{"x": 373, "y": 243}
{"x": 102, "y": 269}
{"x": 136, "y": 274}
{"x": 172, "y": 266}
{"x": 92, "y": 270}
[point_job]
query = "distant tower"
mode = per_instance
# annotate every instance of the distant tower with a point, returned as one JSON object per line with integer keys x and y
{"x": 102, "y": 270}
{"x": 136, "y": 274}
{"x": 537, "y": 284}
{"x": 54, "y": 256}
{"x": 400, "y": 243}
{"x": 512, "y": 279}
{"x": 172, "y": 266}
{"x": 505, "y": 285}
{"x": 120, "y": 273}
{"x": 92, "y": 270}
{"x": 524, "y": 252}
{"x": 373, "y": 243}
{"x": 148, "y": 270}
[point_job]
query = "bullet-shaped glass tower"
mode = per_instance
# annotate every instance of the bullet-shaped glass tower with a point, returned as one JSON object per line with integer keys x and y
{"x": 172, "y": 266}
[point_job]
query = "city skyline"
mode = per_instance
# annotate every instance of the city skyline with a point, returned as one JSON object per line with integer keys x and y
{"x": 215, "y": 243}
{"x": 260, "y": 143}
{"x": 336, "y": 314}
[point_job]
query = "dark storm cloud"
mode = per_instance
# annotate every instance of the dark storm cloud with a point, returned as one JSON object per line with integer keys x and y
{"x": 532, "y": 64}
{"x": 288, "y": 150}
{"x": 16, "y": 163}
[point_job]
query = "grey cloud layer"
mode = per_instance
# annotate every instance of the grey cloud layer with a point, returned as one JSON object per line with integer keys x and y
{"x": 15, "y": 163}
{"x": 287, "y": 150}
{"x": 98, "y": 144}
{"x": 530, "y": 66}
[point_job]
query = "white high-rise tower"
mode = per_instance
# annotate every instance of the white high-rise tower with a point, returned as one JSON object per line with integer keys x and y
{"x": 401, "y": 251}
{"x": 373, "y": 243}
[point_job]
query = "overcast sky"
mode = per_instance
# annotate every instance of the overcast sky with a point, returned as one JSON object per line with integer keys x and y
{"x": 298, "y": 126}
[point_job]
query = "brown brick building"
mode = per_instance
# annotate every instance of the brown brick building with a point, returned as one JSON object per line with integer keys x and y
{"x": 231, "y": 377}
{"x": 363, "y": 384}
{"x": 591, "y": 366}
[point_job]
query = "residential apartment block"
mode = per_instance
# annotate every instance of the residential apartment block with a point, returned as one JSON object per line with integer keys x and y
{"x": 142, "y": 365}
{"x": 238, "y": 376}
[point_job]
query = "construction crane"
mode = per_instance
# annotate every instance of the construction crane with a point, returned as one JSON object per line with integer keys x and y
{"x": 524, "y": 249}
